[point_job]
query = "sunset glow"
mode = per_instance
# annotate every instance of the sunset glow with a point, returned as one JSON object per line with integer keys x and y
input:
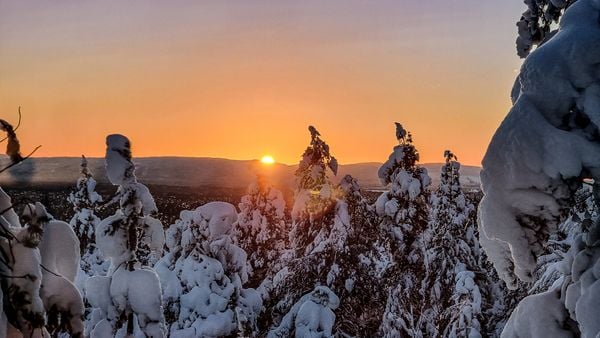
{"x": 246, "y": 75}
{"x": 267, "y": 159}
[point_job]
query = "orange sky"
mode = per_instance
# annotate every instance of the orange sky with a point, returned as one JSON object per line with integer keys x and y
{"x": 239, "y": 79}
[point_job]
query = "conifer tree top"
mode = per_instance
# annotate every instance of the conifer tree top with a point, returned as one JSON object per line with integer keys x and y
{"x": 311, "y": 172}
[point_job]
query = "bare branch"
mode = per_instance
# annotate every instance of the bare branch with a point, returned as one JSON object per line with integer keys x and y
{"x": 17, "y": 127}
{"x": 23, "y": 159}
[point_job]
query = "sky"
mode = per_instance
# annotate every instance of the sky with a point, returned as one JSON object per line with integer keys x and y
{"x": 240, "y": 79}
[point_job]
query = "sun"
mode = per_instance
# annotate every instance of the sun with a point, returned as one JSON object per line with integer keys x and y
{"x": 267, "y": 159}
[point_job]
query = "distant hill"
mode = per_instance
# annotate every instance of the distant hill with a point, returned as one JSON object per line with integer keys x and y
{"x": 197, "y": 172}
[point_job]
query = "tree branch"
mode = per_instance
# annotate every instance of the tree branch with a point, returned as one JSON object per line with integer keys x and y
{"x": 17, "y": 127}
{"x": 23, "y": 159}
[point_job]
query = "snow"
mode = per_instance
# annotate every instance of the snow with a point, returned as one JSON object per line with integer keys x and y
{"x": 113, "y": 245}
{"x": 203, "y": 273}
{"x": 468, "y": 298}
{"x": 546, "y": 141}
{"x": 312, "y": 316}
{"x": 540, "y": 315}
{"x": 60, "y": 249}
{"x": 60, "y": 295}
{"x": 260, "y": 228}
{"x": 139, "y": 291}
{"x": 23, "y": 301}
{"x": 9, "y": 217}
{"x": 119, "y": 167}
{"x": 532, "y": 175}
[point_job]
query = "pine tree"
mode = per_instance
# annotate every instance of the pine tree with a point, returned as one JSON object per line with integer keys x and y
{"x": 404, "y": 213}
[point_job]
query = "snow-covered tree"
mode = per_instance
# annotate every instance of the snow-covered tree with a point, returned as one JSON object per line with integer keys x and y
{"x": 350, "y": 263}
{"x": 261, "y": 228}
{"x": 314, "y": 196}
{"x": 128, "y": 299}
{"x": 533, "y": 168}
{"x": 311, "y": 316}
{"x": 202, "y": 275}
{"x": 39, "y": 261}
{"x": 453, "y": 255}
{"x": 404, "y": 213}
{"x": 345, "y": 259}
{"x": 85, "y": 201}
{"x": 336, "y": 234}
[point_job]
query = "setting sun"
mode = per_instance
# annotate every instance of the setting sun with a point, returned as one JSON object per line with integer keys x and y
{"x": 267, "y": 159}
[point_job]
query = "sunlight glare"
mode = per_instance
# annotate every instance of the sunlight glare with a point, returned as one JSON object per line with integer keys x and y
{"x": 267, "y": 159}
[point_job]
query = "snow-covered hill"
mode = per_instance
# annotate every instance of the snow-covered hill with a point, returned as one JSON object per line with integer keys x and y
{"x": 199, "y": 171}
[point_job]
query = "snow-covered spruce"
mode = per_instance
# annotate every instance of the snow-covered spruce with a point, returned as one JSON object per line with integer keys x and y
{"x": 340, "y": 247}
{"x": 261, "y": 228}
{"x": 314, "y": 196}
{"x": 404, "y": 213}
{"x": 532, "y": 170}
{"x": 202, "y": 276}
{"x": 311, "y": 316}
{"x": 345, "y": 259}
{"x": 128, "y": 299}
{"x": 85, "y": 201}
{"x": 453, "y": 255}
